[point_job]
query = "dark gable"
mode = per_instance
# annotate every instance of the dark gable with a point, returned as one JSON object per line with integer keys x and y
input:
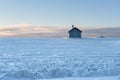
{"x": 74, "y": 29}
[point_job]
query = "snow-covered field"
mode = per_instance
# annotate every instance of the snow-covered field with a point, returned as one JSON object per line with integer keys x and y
{"x": 59, "y": 59}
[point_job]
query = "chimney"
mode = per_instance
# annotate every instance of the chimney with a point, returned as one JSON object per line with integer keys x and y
{"x": 72, "y": 26}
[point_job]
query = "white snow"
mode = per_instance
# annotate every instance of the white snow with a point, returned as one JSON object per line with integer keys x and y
{"x": 90, "y": 78}
{"x": 59, "y": 59}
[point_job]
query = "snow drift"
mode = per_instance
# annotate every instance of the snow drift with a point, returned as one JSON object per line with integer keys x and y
{"x": 35, "y": 59}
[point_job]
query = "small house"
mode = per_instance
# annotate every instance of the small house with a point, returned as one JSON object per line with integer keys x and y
{"x": 75, "y": 32}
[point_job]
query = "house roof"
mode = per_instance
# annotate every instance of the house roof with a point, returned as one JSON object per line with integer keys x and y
{"x": 74, "y": 29}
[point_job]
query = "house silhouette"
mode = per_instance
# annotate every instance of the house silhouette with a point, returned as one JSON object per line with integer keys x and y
{"x": 75, "y": 32}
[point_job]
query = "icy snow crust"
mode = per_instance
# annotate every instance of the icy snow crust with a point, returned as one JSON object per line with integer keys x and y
{"x": 34, "y": 59}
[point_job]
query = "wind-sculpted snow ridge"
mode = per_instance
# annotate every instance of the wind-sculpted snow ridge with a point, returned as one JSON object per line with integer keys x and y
{"x": 33, "y": 59}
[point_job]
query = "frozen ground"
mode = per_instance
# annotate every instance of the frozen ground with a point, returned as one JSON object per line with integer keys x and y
{"x": 66, "y": 59}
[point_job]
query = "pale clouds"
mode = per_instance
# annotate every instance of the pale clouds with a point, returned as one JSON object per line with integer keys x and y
{"x": 30, "y": 31}
{"x": 106, "y": 32}
{"x": 24, "y": 30}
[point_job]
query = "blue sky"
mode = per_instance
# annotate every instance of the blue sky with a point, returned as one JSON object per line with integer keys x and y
{"x": 97, "y": 13}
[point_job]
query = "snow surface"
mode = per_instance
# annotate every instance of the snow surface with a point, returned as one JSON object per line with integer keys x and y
{"x": 64, "y": 59}
{"x": 90, "y": 78}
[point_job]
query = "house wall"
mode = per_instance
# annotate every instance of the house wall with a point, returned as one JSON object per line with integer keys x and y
{"x": 75, "y": 34}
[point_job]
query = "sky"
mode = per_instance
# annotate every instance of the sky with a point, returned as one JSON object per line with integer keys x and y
{"x": 84, "y": 13}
